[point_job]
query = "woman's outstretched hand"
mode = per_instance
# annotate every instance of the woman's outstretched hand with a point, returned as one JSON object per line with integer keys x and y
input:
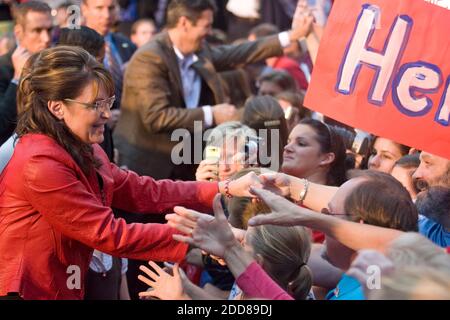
{"x": 211, "y": 234}
{"x": 276, "y": 182}
{"x": 164, "y": 285}
{"x": 241, "y": 187}
{"x": 284, "y": 212}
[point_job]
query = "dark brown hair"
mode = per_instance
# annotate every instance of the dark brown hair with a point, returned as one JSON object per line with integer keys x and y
{"x": 84, "y": 37}
{"x": 296, "y": 100}
{"x": 404, "y": 149}
{"x": 191, "y": 9}
{"x": 281, "y": 78}
{"x": 264, "y": 30}
{"x": 59, "y": 73}
{"x": 381, "y": 200}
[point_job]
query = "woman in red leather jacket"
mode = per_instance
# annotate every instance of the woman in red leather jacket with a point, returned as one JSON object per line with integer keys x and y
{"x": 57, "y": 191}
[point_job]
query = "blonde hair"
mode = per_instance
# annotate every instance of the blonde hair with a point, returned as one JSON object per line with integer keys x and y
{"x": 414, "y": 283}
{"x": 241, "y": 209}
{"x": 422, "y": 271}
{"x": 412, "y": 249}
{"x": 227, "y": 131}
{"x": 285, "y": 252}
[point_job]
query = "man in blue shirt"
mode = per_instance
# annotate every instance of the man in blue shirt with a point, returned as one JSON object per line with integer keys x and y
{"x": 434, "y": 231}
{"x": 367, "y": 198}
{"x": 348, "y": 288}
{"x": 434, "y": 219}
{"x": 433, "y": 175}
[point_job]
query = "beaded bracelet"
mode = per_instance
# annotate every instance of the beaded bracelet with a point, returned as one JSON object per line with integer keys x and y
{"x": 227, "y": 189}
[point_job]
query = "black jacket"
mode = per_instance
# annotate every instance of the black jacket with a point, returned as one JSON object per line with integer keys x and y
{"x": 125, "y": 47}
{"x": 8, "y": 104}
{"x": 278, "y": 12}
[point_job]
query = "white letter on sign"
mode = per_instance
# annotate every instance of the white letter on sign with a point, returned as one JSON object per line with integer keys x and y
{"x": 358, "y": 53}
{"x": 410, "y": 85}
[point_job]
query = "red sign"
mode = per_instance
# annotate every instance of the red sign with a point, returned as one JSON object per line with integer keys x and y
{"x": 384, "y": 67}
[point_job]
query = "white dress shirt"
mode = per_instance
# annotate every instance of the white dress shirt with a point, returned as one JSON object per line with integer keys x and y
{"x": 192, "y": 85}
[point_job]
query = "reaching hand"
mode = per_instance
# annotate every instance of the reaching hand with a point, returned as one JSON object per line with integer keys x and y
{"x": 223, "y": 113}
{"x": 185, "y": 220}
{"x": 241, "y": 187}
{"x": 19, "y": 58}
{"x": 284, "y": 212}
{"x": 302, "y": 22}
{"x": 278, "y": 183}
{"x": 301, "y": 10}
{"x": 212, "y": 235}
{"x": 360, "y": 268}
{"x": 165, "y": 286}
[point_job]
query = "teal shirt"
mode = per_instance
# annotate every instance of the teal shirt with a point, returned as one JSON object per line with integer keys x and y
{"x": 348, "y": 288}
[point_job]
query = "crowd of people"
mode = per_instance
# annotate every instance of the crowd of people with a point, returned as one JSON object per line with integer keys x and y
{"x": 271, "y": 201}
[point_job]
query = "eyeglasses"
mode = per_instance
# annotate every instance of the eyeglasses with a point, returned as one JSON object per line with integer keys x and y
{"x": 102, "y": 105}
{"x": 328, "y": 213}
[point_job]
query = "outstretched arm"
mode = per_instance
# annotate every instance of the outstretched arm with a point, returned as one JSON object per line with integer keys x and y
{"x": 316, "y": 198}
{"x": 164, "y": 286}
{"x": 77, "y": 213}
{"x": 146, "y": 195}
{"x": 229, "y": 57}
{"x": 313, "y": 38}
{"x": 214, "y": 235}
{"x": 356, "y": 236}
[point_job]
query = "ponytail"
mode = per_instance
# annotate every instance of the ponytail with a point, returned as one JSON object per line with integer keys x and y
{"x": 300, "y": 285}
{"x": 285, "y": 252}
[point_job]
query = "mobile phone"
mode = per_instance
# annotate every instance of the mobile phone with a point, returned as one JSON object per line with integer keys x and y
{"x": 212, "y": 153}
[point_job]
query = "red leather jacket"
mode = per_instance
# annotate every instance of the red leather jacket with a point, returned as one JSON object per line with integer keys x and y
{"x": 52, "y": 215}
